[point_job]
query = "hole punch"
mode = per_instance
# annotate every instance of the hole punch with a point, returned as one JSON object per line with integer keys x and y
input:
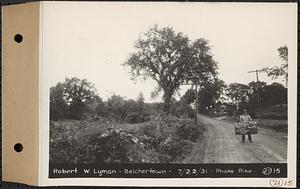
{"x": 18, "y": 38}
{"x": 18, "y": 147}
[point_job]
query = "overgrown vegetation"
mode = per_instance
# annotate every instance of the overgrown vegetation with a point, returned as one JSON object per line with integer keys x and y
{"x": 86, "y": 129}
{"x": 164, "y": 139}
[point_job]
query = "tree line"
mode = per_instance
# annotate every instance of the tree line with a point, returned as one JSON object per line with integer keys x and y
{"x": 171, "y": 59}
{"x": 76, "y": 98}
{"x": 237, "y": 95}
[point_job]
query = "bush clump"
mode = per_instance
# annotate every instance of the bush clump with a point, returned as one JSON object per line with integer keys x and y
{"x": 188, "y": 130}
{"x": 68, "y": 144}
{"x": 114, "y": 146}
{"x": 163, "y": 139}
{"x": 174, "y": 149}
{"x": 171, "y": 136}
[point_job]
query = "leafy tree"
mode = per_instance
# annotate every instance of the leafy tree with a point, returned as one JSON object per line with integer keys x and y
{"x": 128, "y": 110}
{"x": 189, "y": 96}
{"x": 134, "y": 111}
{"x": 253, "y": 98}
{"x": 237, "y": 92}
{"x": 170, "y": 58}
{"x": 182, "y": 108}
{"x": 78, "y": 93}
{"x": 281, "y": 70}
{"x": 58, "y": 105}
{"x": 274, "y": 94}
{"x": 116, "y": 107}
{"x": 208, "y": 95}
{"x": 101, "y": 108}
{"x": 140, "y": 103}
{"x": 72, "y": 98}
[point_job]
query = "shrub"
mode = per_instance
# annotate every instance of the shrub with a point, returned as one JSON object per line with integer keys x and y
{"x": 120, "y": 146}
{"x": 186, "y": 129}
{"x": 129, "y": 111}
{"x": 154, "y": 132}
{"x": 163, "y": 126}
{"x": 182, "y": 109}
{"x": 135, "y": 117}
{"x": 171, "y": 136}
{"x": 113, "y": 145}
{"x": 68, "y": 143}
{"x": 78, "y": 142}
{"x": 174, "y": 148}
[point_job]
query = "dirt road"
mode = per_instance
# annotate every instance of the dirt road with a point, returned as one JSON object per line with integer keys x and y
{"x": 220, "y": 145}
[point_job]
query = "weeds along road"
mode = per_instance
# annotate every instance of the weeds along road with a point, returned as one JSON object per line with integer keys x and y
{"x": 219, "y": 144}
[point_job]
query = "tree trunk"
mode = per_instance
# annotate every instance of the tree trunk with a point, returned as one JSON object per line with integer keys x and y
{"x": 167, "y": 101}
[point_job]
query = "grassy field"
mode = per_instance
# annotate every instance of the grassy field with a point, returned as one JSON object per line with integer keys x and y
{"x": 274, "y": 124}
{"x": 275, "y": 112}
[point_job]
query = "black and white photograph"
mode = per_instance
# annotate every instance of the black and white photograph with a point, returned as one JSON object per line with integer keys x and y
{"x": 168, "y": 83}
{"x": 150, "y": 94}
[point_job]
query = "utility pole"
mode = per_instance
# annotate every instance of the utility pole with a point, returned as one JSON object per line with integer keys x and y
{"x": 196, "y": 107}
{"x": 258, "y": 93}
{"x": 196, "y": 96}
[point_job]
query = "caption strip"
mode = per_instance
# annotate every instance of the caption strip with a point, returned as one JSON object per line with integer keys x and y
{"x": 271, "y": 170}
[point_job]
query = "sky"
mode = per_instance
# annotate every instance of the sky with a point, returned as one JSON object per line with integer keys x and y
{"x": 91, "y": 40}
